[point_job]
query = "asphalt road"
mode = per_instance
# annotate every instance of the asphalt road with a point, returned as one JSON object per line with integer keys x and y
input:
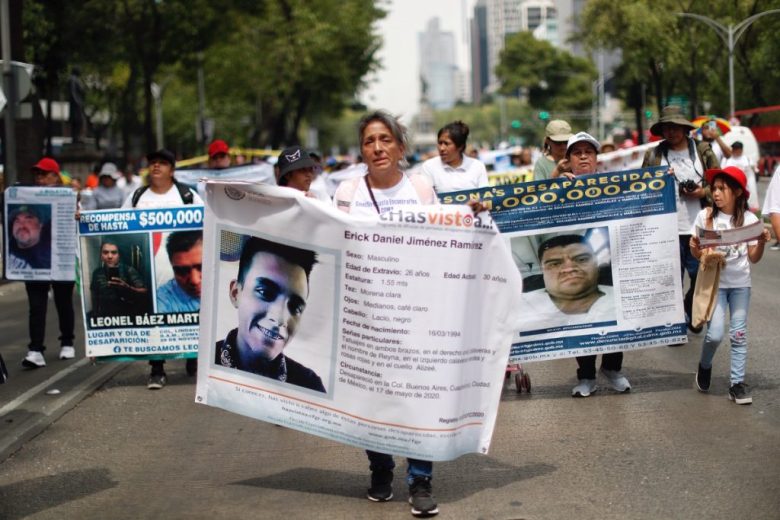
{"x": 664, "y": 451}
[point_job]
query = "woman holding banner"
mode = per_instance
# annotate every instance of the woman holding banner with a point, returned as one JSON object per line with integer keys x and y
{"x": 453, "y": 170}
{"x": 385, "y": 187}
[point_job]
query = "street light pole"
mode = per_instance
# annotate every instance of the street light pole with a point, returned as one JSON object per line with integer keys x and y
{"x": 730, "y": 35}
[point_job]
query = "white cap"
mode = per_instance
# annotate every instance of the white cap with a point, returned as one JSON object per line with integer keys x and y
{"x": 111, "y": 170}
{"x": 582, "y": 136}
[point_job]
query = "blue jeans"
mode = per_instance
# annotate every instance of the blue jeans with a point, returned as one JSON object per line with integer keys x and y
{"x": 414, "y": 468}
{"x": 737, "y": 300}
{"x": 689, "y": 263}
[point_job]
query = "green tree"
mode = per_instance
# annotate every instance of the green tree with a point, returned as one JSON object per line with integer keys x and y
{"x": 555, "y": 80}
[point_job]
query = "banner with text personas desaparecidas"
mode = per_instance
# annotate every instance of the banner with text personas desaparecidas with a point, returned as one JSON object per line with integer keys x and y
{"x": 40, "y": 234}
{"x": 141, "y": 281}
{"x": 599, "y": 258}
{"x": 388, "y": 334}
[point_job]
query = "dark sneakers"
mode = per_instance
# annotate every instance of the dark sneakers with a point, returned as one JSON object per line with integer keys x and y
{"x": 703, "y": 376}
{"x": 421, "y": 497}
{"x": 381, "y": 489}
{"x": 740, "y": 394}
{"x": 156, "y": 381}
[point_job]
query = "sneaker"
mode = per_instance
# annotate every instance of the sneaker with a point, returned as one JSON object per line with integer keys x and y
{"x": 381, "y": 489}
{"x": 703, "y": 376}
{"x": 585, "y": 388}
{"x": 191, "y": 365}
{"x": 156, "y": 381}
{"x": 775, "y": 246}
{"x": 740, "y": 394}
{"x": 33, "y": 359}
{"x": 67, "y": 353}
{"x": 421, "y": 497}
{"x": 617, "y": 380}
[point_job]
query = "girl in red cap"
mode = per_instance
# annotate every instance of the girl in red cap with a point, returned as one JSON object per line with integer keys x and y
{"x": 729, "y": 210}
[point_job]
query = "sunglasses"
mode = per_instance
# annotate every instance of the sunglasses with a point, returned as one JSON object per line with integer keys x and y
{"x": 184, "y": 270}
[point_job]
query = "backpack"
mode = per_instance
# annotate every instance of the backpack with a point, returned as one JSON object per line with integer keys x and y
{"x": 184, "y": 192}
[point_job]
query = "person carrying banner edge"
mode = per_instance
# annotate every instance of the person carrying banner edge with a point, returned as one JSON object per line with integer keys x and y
{"x": 581, "y": 159}
{"x": 385, "y": 187}
{"x": 687, "y": 160}
{"x": 163, "y": 191}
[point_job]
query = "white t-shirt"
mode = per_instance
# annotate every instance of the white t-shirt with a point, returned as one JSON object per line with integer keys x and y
{"x": 743, "y": 163}
{"x": 169, "y": 199}
{"x": 469, "y": 175}
{"x": 542, "y": 313}
{"x": 402, "y": 194}
{"x": 684, "y": 169}
{"x": 736, "y": 273}
{"x": 772, "y": 199}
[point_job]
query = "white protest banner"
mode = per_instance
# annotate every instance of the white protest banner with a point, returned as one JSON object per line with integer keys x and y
{"x": 141, "y": 281}
{"x": 388, "y": 334}
{"x": 599, "y": 257}
{"x": 41, "y": 233}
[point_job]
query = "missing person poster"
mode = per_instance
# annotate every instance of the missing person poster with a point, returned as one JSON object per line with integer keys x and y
{"x": 40, "y": 233}
{"x": 390, "y": 334}
{"x": 599, "y": 258}
{"x": 141, "y": 281}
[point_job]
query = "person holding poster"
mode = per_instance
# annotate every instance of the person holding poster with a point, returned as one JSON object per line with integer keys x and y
{"x": 729, "y": 211}
{"x": 47, "y": 173}
{"x": 269, "y": 293}
{"x": 557, "y": 134}
{"x": 295, "y": 169}
{"x": 182, "y": 292}
{"x": 452, "y": 170}
{"x": 385, "y": 187}
{"x": 581, "y": 152}
{"x": 163, "y": 191}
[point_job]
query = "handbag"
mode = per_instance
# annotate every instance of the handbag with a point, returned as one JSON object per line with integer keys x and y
{"x": 705, "y": 294}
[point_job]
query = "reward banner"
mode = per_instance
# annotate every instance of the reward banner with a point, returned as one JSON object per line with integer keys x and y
{"x": 141, "y": 281}
{"x": 599, "y": 258}
{"x": 390, "y": 335}
{"x": 41, "y": 233}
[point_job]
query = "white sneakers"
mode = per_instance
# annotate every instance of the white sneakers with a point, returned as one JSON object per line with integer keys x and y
{"x": 615, "y": 379}
{"x": 33, "y": 359}
{"x": 67, "y": 353}
{"x": 584, "y": 388}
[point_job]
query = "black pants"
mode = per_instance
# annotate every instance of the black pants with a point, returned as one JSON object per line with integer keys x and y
{"x": 587, "y": 364}
{"x": 38, "y": 297}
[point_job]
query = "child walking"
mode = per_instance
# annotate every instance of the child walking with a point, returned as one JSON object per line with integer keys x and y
{"x": 729, "y": 210}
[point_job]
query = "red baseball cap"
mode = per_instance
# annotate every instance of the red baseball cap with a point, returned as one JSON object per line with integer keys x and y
{"x": 218, "y": 146}
{"x": 730, "y": 171}
{"x": 47, "y": 164}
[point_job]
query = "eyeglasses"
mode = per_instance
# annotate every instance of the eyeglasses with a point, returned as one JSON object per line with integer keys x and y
{"x": 184, "y": 270}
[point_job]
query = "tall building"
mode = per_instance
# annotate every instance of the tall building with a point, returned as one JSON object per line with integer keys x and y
{"x": 437, "y": 65}
{"x": 479, "y": 52}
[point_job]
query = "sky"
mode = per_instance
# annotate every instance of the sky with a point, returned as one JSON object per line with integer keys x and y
{"x": 396, "y": 86}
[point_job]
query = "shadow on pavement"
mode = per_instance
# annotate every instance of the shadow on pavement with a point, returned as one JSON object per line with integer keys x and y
{"x": 28, "y": 497}
{"x": 475, "y": 474}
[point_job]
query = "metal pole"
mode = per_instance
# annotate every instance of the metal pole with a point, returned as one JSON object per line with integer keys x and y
{"x": 10, "y": 170}
{"x": 731, "y": 70}
{"x": 157, "y": 95}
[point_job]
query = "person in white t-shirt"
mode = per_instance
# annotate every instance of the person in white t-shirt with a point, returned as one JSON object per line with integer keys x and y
{"x": 163, "y": 192}
{"x": 772, "y": 207}
{"x": 743, "y": 162}
{"x": 385, "y": 187}
{"x": 453, "y": 170}
{"x": 729, "y": 211}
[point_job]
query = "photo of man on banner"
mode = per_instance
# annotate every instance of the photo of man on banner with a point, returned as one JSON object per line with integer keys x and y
{"x": 29, "y": 232}
{"x": 569, "y": 281}
{"x": 269, "y": 293}
{"x": 183, "y": 253}
{"x": 117, "y": 287}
